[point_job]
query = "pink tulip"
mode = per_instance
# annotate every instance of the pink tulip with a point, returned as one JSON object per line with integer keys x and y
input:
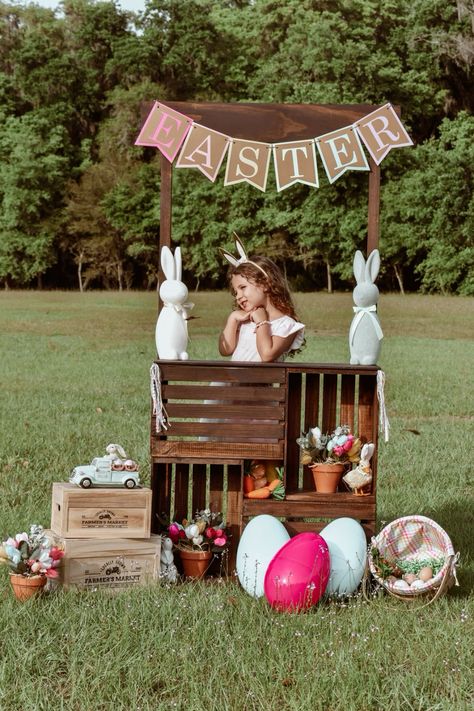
{"x": 220, "y": 533}
{"x": 210, "y": 532}
{"x": 220, "y": 540}
{"x": 56, "y": 553}
{"x": 51, "y": 573}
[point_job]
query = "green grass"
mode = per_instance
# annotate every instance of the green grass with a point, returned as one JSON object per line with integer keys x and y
{"x": 74, "y": 376}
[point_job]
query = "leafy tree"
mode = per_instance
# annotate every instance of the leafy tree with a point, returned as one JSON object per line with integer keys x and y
{"x": 33, "y": 170}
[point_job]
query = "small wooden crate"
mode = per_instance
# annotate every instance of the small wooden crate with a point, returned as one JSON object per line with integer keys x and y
{"x": 109, "y": 565}
{"x": 100, "y": 513}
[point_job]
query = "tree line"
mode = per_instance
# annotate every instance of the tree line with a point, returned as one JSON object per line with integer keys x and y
{"x": 79, "y": 203}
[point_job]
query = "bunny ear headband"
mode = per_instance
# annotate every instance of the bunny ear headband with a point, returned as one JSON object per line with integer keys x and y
{"x": 243, "y": 259}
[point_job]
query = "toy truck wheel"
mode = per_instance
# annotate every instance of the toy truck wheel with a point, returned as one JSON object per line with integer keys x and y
{"x": 129, "y": 484}
{"x": 86, "y": 483}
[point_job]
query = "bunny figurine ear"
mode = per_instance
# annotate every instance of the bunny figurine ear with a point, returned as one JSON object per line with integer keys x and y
{"x": 178, "y": 263}
{"x": 367, "y": 451}
{"x": 359, "y": 267}
{"x": 372, "y": 267}
{"x": 167, "y": 263}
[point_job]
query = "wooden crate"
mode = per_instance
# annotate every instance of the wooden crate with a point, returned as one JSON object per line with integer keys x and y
{"x": 106, "y": 564}
{"x": 100, "y": 513}
{"x": 199, "y": 462}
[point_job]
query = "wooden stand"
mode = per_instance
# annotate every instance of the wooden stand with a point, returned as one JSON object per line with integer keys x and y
{"x": 257, "y": 411}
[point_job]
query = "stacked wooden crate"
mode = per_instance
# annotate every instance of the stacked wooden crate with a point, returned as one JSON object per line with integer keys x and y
{"x": 105, "y": 533}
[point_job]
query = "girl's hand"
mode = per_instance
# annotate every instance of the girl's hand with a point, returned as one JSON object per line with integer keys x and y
{"x": 239, "y": 316}
{"x": 259, "y": 314}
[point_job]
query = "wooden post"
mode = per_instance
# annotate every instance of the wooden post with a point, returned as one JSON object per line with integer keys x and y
{"x": 374, "y": 207}
{"x": 165, "y": 202}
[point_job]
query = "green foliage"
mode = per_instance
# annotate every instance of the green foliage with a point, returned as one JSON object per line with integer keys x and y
{"x": 84, "y": 74}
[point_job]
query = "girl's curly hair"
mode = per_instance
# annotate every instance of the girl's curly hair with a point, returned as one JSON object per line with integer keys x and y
{"x": 271, "y": 280}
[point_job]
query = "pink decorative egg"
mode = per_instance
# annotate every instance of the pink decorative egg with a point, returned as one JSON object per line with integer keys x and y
{"x": 298, "y": 574}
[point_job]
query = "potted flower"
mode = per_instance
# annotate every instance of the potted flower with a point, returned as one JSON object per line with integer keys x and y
{"x": 328, "y": 454}
{"x": 198, "y": 540}
{"x": 32, "y": 559}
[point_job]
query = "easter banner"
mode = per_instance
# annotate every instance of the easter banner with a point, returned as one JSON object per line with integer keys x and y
{"x": 294, "y": 161}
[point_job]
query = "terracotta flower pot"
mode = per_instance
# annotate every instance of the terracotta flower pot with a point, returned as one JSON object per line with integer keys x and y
{"x": 25, "y": 587}
{"x": 327, "y": 477}
{"x": 195, "y": 563}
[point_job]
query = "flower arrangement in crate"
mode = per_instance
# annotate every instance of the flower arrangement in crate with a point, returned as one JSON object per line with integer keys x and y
{"x": 32, "y": 559}
{"x": 328, "y": 455}
{"x": 198, "y": 540}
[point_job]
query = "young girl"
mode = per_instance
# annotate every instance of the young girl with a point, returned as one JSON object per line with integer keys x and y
{"x": 264, "y": 327}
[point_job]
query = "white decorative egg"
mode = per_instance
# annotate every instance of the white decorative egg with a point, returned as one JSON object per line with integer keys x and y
{"x": 261, "y": 539}
{"x": 401, "y": 585}
{"x": 348, "y": 553}
{"x": 417, "y": 584}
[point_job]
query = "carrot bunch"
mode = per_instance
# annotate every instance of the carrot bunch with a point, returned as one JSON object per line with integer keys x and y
{"x": 264, "y": 480}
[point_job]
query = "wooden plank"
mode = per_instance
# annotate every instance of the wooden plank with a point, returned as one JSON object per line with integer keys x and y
{"x": 293, "y": 419}
{"x": 333, "y": 506}
{"x": 199, "y": 488}
{"x": 184, "y": 371}
{"x": 373, "y": 207}
{"x": 230, "y": 411}
{"x": 194, "y": 451}
{"x": 161, "y": 495}
{"x": 223, "y": 366}
{"x": 234, "y": 509}
{"x": 228, "y": 431}
{"x": 367, "y": 427}
{"x": 181, "y": 484}
{"x": 311, "y": 404}
{"x": 216, "y": 487}
{"x": 165, "y": 203}
{"x": 311, "y": 412}
{"x": 295, "y": 527}
{"x": 270, "y": 122}
{"x": 240, "y": 393}
{"x": 329, "y": 403}
{"x": 347, "y": 400}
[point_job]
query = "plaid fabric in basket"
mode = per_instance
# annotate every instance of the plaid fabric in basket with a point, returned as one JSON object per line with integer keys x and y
{"x": 413, "y": 538}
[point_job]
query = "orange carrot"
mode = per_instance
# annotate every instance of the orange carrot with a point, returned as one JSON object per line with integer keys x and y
{"x": 249, "y": 483}
{"x": 263, "y": 493}
{"x": 273, "y": 484}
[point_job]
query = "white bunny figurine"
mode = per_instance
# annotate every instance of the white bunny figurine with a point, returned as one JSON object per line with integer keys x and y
{"x": 365, "y": 332}
{"x": 171, "y": 334}
{"x": 168, "y": 569}
{"x": 361, "y": 476}
{"x": 115, "y": 451}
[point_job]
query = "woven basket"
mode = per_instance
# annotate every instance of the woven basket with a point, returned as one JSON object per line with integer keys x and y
{"x": 413, "y": 538}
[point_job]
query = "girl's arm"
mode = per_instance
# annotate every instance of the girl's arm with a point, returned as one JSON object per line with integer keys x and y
{"x": 270, "y": 347}
{"x": 230, "y": 335}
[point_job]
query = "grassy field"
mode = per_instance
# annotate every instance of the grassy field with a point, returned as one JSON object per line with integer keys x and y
{"x": 74, "y": 376}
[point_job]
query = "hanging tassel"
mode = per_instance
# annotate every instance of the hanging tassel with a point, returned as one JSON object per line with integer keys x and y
{"x": 384, "y": 424}
{"x": 161, "y": 420}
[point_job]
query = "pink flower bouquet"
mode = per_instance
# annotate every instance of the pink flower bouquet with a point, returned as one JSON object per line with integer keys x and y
{"x": 31, "y": 554}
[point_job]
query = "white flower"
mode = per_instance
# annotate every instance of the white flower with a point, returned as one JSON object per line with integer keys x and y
{"x": 197, "y": 540}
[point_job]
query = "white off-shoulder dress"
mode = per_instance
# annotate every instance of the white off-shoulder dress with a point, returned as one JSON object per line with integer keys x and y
{"x": 246, "y": 348}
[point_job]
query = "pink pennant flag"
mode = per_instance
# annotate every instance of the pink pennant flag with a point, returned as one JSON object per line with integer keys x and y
{"x": 295, "y": 162}
{"x": 340, "y": 151}
{"x": 381, "y": 131}
{"x": 248, "y": 161}
{"x": 164, "y": 129}
{"x": 203, "y": 149}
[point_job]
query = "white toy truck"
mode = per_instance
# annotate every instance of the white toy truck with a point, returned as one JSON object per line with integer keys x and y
{"x": 110, "y": 470}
